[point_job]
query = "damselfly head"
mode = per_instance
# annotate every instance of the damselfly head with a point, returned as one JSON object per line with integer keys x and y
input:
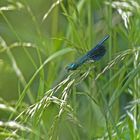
{"x": 71, "y": 66}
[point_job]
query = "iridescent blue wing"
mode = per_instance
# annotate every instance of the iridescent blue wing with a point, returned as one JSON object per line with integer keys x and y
{"x": 97, "y": 54}
{"x": 98, "y": 51}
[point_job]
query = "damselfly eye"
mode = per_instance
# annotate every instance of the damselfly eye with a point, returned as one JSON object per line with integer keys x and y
{"x": 71, "y": 66}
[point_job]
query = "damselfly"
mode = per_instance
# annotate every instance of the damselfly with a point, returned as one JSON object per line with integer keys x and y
{"x": 94, "y": 54}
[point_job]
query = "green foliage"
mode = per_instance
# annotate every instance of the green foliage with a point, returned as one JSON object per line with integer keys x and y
{"x": 39, "y": 99}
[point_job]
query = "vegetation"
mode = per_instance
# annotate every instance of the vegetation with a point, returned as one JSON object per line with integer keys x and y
{"x": 39, "y": 99}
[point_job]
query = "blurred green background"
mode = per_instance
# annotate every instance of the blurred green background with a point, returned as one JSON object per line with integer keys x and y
{"x": 100, "y": 100}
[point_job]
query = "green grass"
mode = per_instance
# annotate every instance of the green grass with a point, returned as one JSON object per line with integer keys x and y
{"x": 39, "y": 99}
